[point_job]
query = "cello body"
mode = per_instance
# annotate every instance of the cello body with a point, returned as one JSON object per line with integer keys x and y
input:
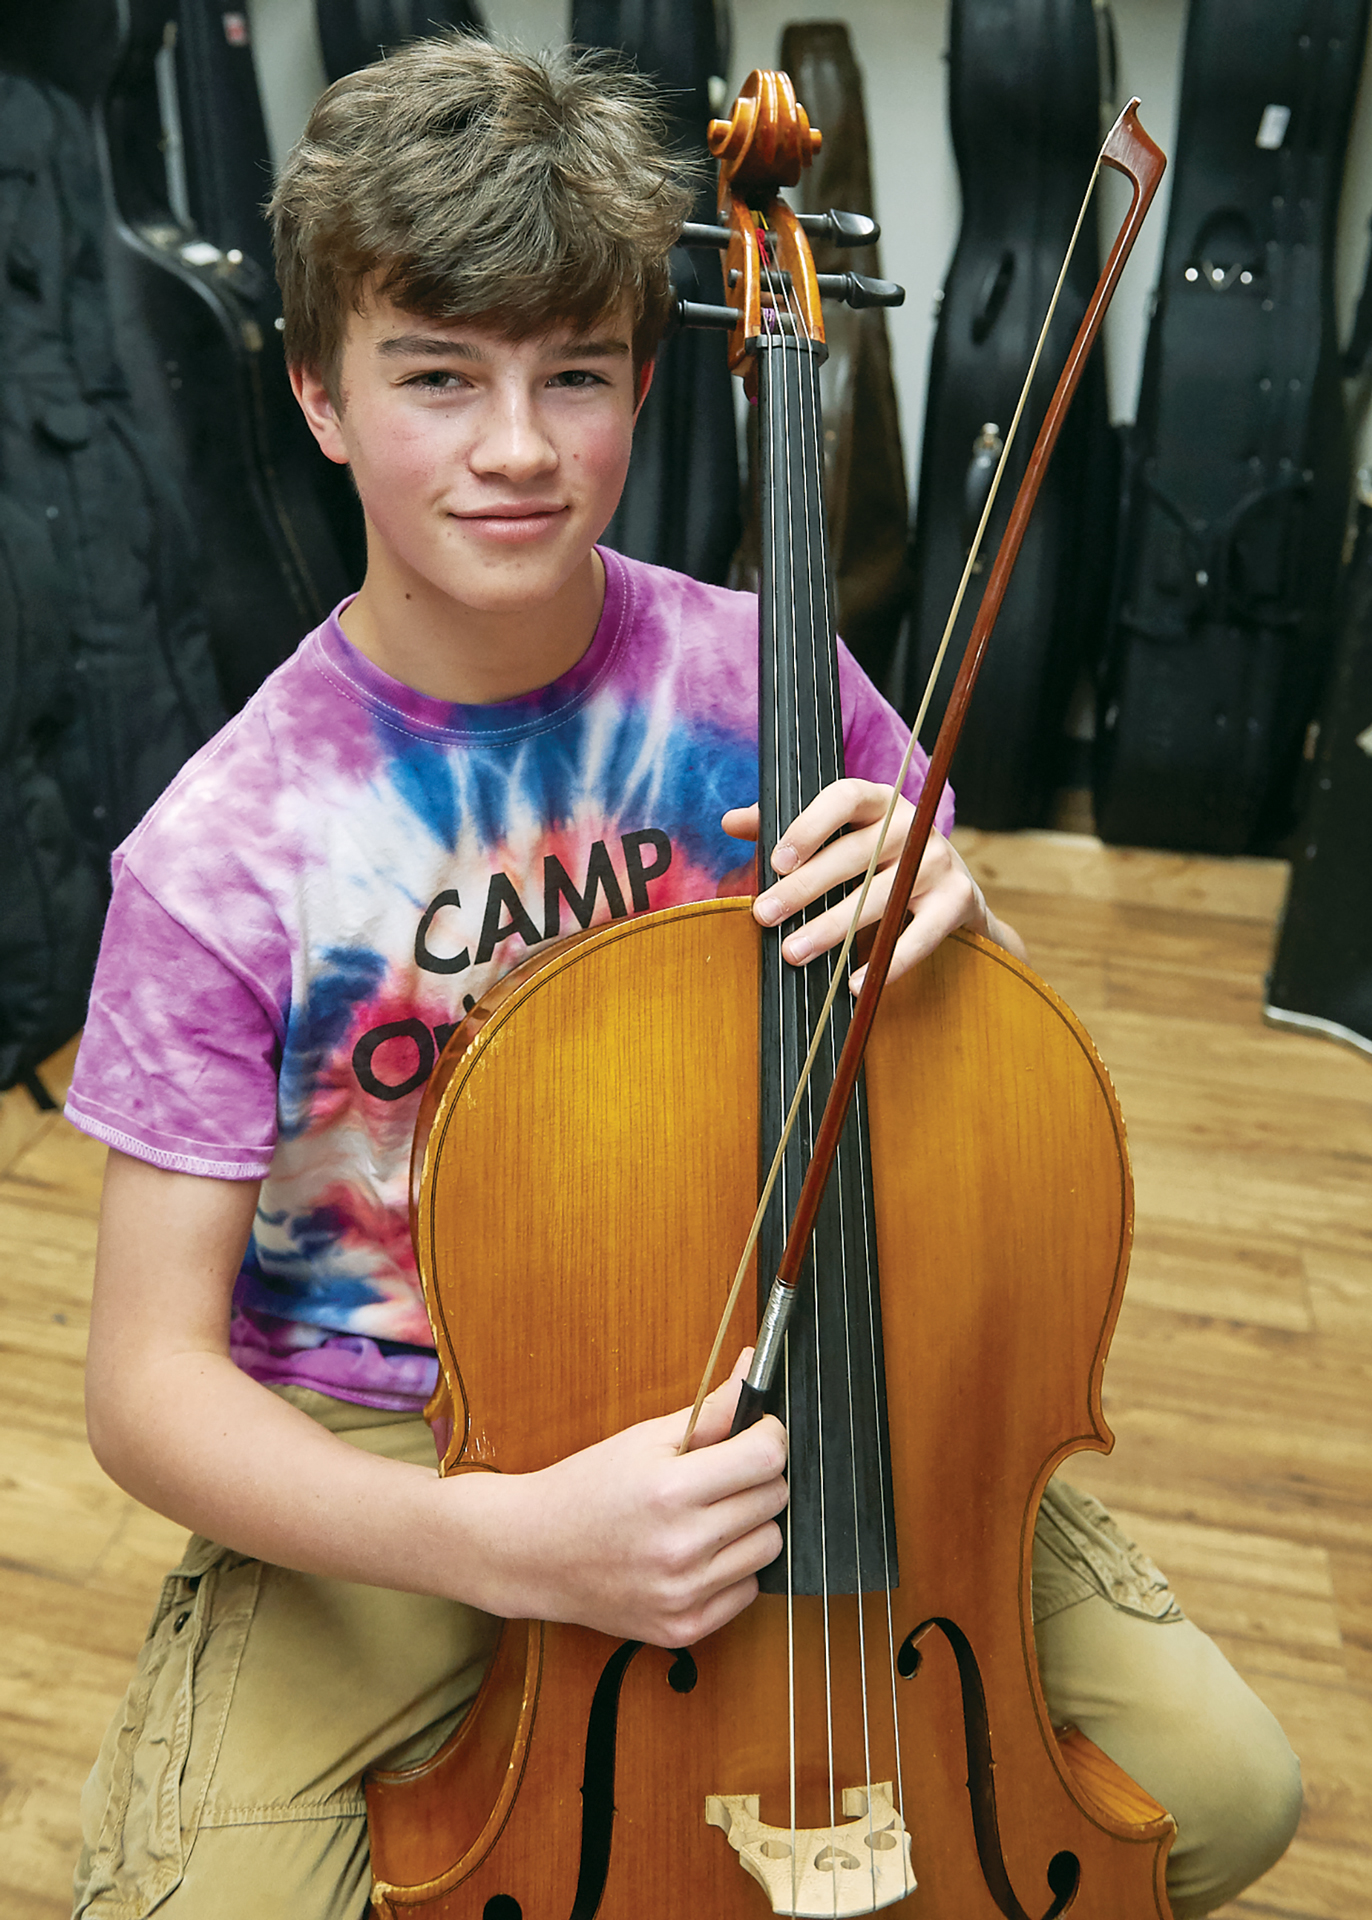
{"x": 595, "y": 1778}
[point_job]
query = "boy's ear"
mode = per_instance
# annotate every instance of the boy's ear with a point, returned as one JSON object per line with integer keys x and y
{"x": 645, "y": 380}
{"x": 319, "y": 410}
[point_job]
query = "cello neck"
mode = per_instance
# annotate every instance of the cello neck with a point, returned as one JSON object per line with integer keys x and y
{"x": 841, "y": 1523}
{"x": 800, "y": 721}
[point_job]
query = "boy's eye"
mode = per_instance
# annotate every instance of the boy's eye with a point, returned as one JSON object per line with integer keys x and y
{"x": 578, "y": 377}
{"x": 436, "y": 380}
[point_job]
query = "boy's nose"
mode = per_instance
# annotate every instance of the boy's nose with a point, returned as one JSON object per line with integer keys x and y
{"x": 512, "y": 441}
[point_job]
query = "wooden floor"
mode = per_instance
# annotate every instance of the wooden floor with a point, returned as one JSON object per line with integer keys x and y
{"x": 1240, "y": 1387}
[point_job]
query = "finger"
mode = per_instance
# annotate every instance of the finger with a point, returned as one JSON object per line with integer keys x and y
{"x": 718, "y": 1408}
{"x": 716, "y": 1414}
{"x": 748, "y": 1554}
{"x": 714, "y": 1613}
{"x": 742, "y": 823}
{"x": 955, "y": 901}
{"x": 939, "y": 867}
{"x": 843, "y": 861}
{"x": 842, "y": 803}
{"x": 735, "y": 1464}
{"x": 828, "y": 929}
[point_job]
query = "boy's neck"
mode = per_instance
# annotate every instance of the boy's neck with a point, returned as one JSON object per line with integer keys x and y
{"x": 473, "y": 656}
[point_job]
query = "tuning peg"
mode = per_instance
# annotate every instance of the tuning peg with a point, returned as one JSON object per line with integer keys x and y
{"x": 841, "y": 229}
{"x": 693, "y": 234}
{"x": 858, "y": 290}
{"x": 693, "y": 313}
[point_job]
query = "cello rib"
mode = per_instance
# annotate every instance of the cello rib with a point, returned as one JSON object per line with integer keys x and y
{"x": 1002, "y": 1188}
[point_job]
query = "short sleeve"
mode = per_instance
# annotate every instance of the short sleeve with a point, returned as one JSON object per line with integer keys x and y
{"x": 875, "y": 738}
{"x": 178, "y": 1061}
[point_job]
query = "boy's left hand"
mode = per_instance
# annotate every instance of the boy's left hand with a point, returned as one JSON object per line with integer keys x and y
{"x": 813, "y": 857}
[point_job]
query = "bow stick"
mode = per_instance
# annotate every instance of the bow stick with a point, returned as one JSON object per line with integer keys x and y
{"x": 1129, "y": 150}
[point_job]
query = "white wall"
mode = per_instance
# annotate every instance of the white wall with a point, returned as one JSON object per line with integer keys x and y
{"x": 900, "y": 46}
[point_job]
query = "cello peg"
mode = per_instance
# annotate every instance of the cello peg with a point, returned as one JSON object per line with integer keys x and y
{"x": 695, "y": 234}
{"x": 841, "y": 229}
{"x": 859, "y": 290}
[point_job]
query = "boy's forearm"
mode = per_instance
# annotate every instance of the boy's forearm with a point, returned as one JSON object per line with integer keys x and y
{"x": 626, "y": 1536}
{"x": 173, "y": 1420}
{"x": 198, "y": 1440}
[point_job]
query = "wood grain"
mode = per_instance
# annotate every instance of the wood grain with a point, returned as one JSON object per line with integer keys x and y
{"x": 1240, "y": 1383}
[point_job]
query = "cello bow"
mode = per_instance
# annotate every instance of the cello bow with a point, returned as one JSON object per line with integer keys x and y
{"x": 1129, "y": 150}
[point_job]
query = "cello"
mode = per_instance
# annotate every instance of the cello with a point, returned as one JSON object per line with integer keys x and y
{"x": 870, "y": 1732}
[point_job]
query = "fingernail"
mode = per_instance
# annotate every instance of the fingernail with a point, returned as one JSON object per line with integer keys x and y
{"x": 784, "y": 858}
{"x": 766, "y": 909}
{"x": 855, "y": 980}
{"x": 798, "y": 949}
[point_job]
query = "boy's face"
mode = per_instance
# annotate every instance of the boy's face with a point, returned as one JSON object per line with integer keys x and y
{"x": 487, "y": 467}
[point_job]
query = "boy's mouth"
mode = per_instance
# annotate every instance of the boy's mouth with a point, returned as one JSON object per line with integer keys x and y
{"x": 513, "y": 521}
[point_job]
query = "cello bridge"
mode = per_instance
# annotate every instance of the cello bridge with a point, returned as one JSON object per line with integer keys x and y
{"x": 858, "y": 1867}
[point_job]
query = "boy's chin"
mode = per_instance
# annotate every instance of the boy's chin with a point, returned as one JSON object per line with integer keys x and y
{"x": 513, "y": 583}
{"x": 525, "y": 592}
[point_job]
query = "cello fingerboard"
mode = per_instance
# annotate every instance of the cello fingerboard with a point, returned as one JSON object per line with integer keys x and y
{"x": 840, "y": 1525}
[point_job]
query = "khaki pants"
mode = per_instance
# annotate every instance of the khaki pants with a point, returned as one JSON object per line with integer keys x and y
{"x": 228, "y": 1786}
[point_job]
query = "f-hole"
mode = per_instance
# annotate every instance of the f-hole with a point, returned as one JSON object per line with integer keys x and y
{"x": 598, "y": 1778}
{"x": 1063, "y": 1872}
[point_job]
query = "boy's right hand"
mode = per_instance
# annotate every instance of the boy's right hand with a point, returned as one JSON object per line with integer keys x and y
{"x": 634, "y": 1539}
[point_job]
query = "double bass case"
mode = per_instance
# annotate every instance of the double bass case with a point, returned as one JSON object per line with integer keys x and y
{"x": 189, "y": 165}
{"x": 680, "y": 506}
{"x": 1237, "y": 468}
{"x": 1024, "y": 102}
{"x": 1321, "y": 977}
{"x": 104, "y": 653}
{"x": 864, "y": 467}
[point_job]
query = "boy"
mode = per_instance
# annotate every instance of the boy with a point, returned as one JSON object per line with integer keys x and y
{"x": 507, "y": 733}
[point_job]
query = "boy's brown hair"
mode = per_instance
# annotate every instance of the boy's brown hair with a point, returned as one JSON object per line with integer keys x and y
{"x": 467, "y": 181}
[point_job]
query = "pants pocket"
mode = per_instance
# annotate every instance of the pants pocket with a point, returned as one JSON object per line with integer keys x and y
{"x": 141, "y": 1804}
{"x": 1079, "y": 1552}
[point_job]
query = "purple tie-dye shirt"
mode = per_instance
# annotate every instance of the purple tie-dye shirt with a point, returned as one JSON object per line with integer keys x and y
{"x": 307, "y": 912}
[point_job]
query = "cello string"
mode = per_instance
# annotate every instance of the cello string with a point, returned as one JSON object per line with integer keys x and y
{"x": 792, "y": 379}
{"x": 864, "y": 1224}
{"x": 791, "y": 1675}
{"x": 823, "y": 662}
{"x": 841, "y": 1187}
{"x": 866, "y": 884}
{"x": 795, "y": 437}
{"x": 785, "y": 729}
{"x": 863, "y": 1197}
{"x": 807, "y": 648}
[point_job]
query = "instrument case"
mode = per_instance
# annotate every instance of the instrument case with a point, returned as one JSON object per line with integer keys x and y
{"x": 680, "y": 506}
{"x": 1321, "y": 975}
{"x": 1024, "y": 101}
{"x": 104, "y": 653}
{"x": 1237, "y": 468}
{"x": 864, "y": 467}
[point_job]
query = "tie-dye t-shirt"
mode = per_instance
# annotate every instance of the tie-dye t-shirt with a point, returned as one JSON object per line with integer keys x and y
{"x": 307, "y": 912}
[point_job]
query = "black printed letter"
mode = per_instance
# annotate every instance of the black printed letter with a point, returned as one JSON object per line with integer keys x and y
{"x": 558, "y": 882}
{"x": 639, "y": 875}
{"x": 438, "y": 962}
{"x": 502, "y": 897}
{"x": 364, "y": 1053}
